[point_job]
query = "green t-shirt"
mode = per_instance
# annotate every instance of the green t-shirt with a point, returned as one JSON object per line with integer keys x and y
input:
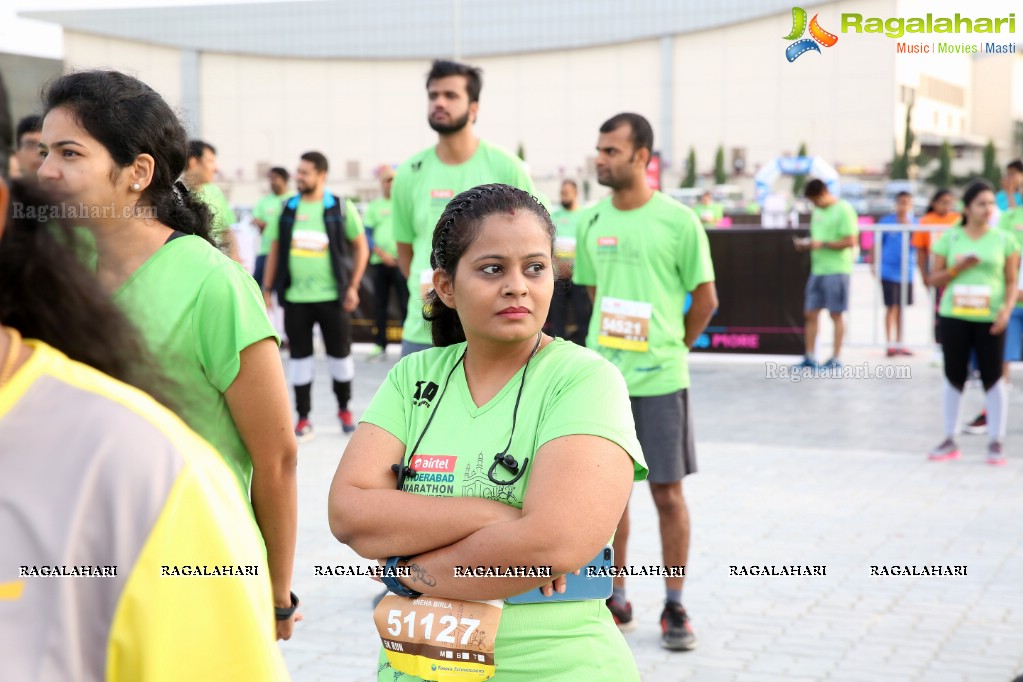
{"x": 565, "y": 226}
{"x": 1011, "y": 221}
{"x": 975, "y": 294}
{"x": 642, "y": 263}
{"x": 534, "y": 641}
{"x": 378, "y": 216}
{"x": 709, "y": 214}
{"x": 197, "y": 310}
{"x": 268, "y": 209}
{"x": 830, "y": 224}
{"x": 223, "y": 216}
{"x": 422, "y": 188}
{"x": 312, "y": 278}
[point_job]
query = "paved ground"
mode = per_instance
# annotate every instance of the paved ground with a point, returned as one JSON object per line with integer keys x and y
{"x": 823, "y": 472}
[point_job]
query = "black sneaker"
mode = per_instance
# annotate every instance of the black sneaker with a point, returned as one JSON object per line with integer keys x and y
{"x": 622, "y": 613}
{"x": 676, "y": 632}
{"x": 978, "y": 426}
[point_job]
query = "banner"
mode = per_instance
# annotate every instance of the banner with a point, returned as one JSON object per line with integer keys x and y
{"x": 761, "y": 280}
{"x": 653, "y": 171}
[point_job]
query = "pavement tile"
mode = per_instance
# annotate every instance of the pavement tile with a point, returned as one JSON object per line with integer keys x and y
{"x": 828, "y": 472}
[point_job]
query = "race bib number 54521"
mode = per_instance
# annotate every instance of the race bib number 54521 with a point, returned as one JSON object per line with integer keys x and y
{"x": 624, "y": 325}
{"x": 439, "y": 639}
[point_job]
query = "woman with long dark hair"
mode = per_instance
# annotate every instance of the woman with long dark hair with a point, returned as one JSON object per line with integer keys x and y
{"x": 977, "y": 266}
{"x": 114, "y": 151}
{"x": 108, "y": 490}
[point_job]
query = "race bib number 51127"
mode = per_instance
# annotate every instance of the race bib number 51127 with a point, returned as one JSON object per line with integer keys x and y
{"x": 439, "y": 639}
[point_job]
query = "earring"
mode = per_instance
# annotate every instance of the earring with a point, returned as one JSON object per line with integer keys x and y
{"x": 136, "y": 186}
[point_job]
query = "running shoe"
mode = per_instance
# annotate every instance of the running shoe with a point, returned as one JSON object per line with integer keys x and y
{"x": 378, "y": 354}
{"x": 891, "y": 352}
{"x": 946, "y": 450}
{"x": 994, "y": 454}
{"x": 978, "y": 426}
{"x": 676, "y": 631}
{"x": 903, "y": 351}
{"x": 807, "y": 363}
{"x": 622, "y": 613}
{"x": 832, "y": 364}
{"x": 304, "y": 430}
{"x": 347, "y": 423}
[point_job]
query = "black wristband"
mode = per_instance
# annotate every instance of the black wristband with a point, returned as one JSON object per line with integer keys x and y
{"x": 287, "y": 612}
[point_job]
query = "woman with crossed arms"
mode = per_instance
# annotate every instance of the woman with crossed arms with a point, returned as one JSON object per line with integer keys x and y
{"x": 556, "y": 415}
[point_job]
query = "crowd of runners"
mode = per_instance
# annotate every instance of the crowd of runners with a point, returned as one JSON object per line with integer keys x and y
{"x": 142, "y": 386}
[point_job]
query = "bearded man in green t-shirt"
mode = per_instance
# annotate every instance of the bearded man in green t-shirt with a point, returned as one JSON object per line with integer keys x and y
{"x": 833, "y": 234}
{"x": 639, "y": 251}
{"x": 318, "y": 255}
{"x": 429, "y": 179}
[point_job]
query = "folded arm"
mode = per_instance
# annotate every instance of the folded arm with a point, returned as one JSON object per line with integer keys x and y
{"x": 577, "y": 491}
{"x": 369, "y": 515}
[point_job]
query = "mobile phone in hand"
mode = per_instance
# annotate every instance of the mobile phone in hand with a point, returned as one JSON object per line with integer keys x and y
{"x": 578, "y": 587}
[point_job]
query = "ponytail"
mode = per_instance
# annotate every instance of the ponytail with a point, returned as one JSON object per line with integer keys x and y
{"x": 47, "y": 294}
{"x": 183, "y": 210}
{"x": 445, "y": 325}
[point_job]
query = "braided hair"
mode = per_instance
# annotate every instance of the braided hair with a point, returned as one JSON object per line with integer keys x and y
{"x": 457, "y": 229}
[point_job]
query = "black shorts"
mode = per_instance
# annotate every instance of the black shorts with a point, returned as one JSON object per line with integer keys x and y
{"x": 335, "y": 327}
{"x": 892, "y": 292}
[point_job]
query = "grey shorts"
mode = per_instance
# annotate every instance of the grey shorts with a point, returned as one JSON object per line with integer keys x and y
{"x": 827, "y": 291}
{"x": 665, "y": 430}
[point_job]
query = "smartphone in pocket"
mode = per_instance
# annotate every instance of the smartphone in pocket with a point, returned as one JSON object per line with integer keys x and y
{"x": 578, "y": 587}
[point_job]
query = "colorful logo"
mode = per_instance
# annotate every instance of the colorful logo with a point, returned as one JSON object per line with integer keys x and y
{"x": 818, "y": 35}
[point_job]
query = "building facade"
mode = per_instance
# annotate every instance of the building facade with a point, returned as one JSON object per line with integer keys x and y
{"x": 266, "y": 82}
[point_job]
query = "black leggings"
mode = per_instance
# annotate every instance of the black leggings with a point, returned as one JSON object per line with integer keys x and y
{"x": 567, "y": 293}
{"x": 385, "y": 278}
{"x": 958, "y": 338}
{"x": 335, "y": 325}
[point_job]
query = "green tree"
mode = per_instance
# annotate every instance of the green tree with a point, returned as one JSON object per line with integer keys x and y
{"x": 902, "y": 162}
{"x": 942, "y": 177}
{"x": 799, "y": 180}
{"x": 689, "y": 179}
{"x": 992, "y": 173}
{"x": 898, "y": 171}
{"x": 720, "y": 174}
{"x": 910, "y": 138}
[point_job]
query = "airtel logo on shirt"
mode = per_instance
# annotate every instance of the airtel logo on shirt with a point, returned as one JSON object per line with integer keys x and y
{"x": 438, "y": 463}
